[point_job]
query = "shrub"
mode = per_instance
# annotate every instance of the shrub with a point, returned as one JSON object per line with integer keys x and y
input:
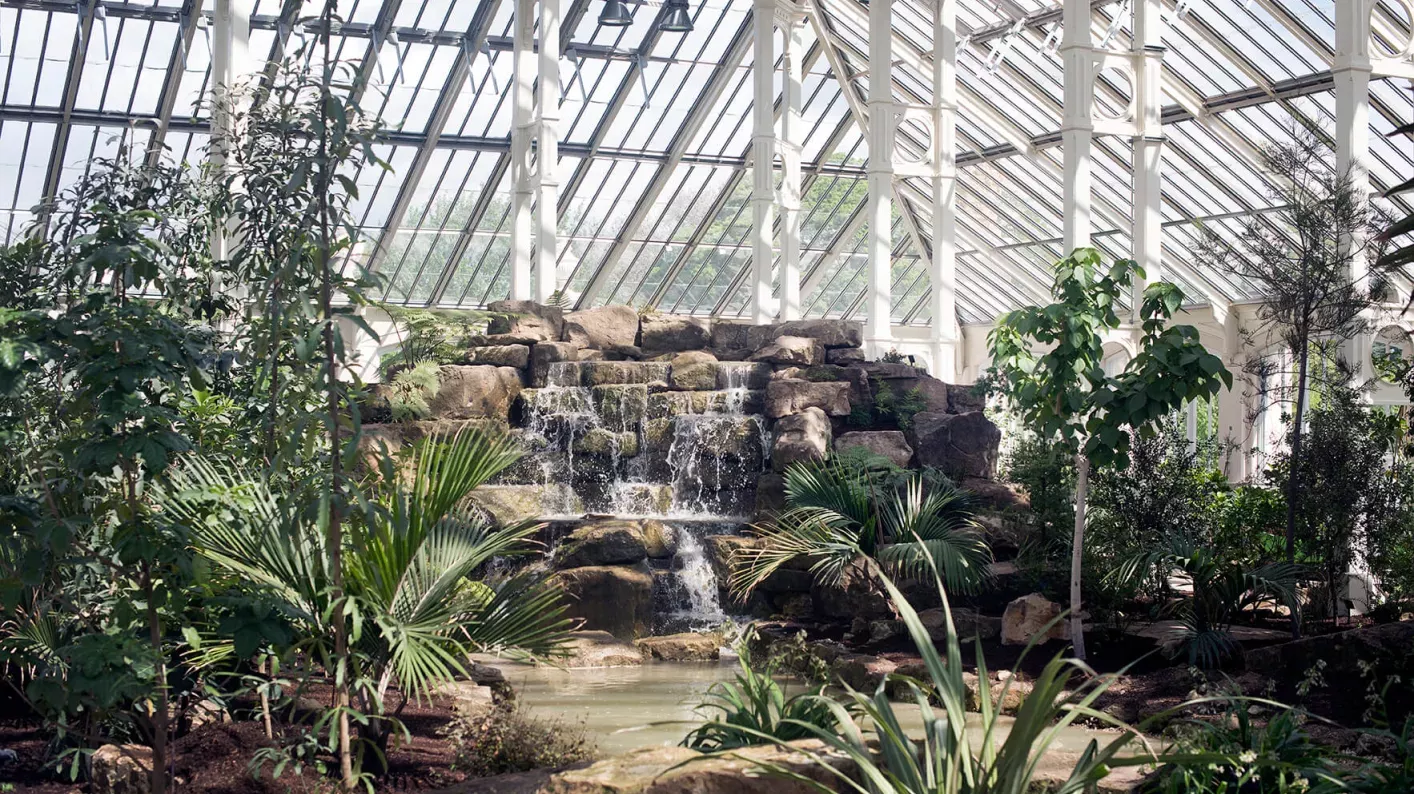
{"x": 896, "y": 408}
{"x": 796, "y": 657}
{"x": 753, "y": 709}
{"x": 1277, "y": 757}
{"x": 506, "y": 739}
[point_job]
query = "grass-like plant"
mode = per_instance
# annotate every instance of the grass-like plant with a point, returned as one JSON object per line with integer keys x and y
{"x": 754, "y": 705}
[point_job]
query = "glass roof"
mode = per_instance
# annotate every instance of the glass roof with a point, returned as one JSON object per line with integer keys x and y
{"x": 656, "y": 137}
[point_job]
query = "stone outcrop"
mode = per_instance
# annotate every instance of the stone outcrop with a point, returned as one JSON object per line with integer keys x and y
{"x": 516, "y": 356}
{"x": 672, "y": 333}
{"x": 960, "y": 445}
{"x": 599, "y": 649}
{"x": 787, "y": 397}
{"x": 121, "y": 769}
{"x": 1026, "y": 619}
{"x": 511, "y": 504}
{"x": 528, "y": 320}
{"x": 792, "y": 351}
{"x": 1342, "y": 653}
{"x": 800, "y": 437}
{"x": 545, "y": 354}
{"x": 468, "y": 392}
{"x": 889, "y": 444}
{"x": 694, "y": 370}
{"x": 602, "y": 328}
{"x": 613, "y": 598}
{"x": 602, "y": 543}
{"x": 685, "y": 647}
{"x": 829, "y": 333}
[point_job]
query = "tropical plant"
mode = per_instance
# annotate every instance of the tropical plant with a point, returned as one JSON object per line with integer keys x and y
{"x": 1064, "y": 393}
{"x": 416, "y": 608}
{"x": 1313, "y": 277}
{"x": 740, "y": 712}
{"x": 411, "y": 389}
{"x": 1219, "y": 591}
{"x": 506, "y": 739}
{"x": 429, "y": 337}
{"x": 837, "y": 515}
{"x": 947, "y": 759}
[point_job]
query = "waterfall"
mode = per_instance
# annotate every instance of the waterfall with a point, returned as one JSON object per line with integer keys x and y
{"x": 697, "y": 603}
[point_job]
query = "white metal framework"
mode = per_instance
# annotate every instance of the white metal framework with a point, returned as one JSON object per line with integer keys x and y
{"x": 731, "y": 170}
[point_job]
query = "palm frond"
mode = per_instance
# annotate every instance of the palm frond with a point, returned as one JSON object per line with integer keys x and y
{"x": 941, "y": 523}
{"x": 799, "y": 534}
{"x": 525, "y": 616}
{"x": 828, "y": 485}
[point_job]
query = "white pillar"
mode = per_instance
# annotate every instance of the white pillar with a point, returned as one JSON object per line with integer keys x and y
{"x": 1148, "y": 145}
{"x": 548, "y": 156}
{"x": 1351, "y": 69}
{"x": 944, "y": 266}
{"x": 522, "y": 179}
{"x": 763, "y": 151}
{"x": 230, "y": 65}
{"x": 792, "y": 140}
{"x": 1234, "y": 426}
{"x": 1077, "y": 126}
{"x": 877, "y": 332}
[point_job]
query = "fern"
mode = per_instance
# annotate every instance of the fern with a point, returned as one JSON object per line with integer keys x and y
{"x": 411, "y": 390}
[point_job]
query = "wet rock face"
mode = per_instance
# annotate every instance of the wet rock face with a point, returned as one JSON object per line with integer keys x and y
{"x": 613, "y": 598}
{"x": 694, "y": 371}
{"x": 603, "y": 543}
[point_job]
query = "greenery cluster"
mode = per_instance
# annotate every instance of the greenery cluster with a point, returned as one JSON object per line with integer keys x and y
{"x": 506, "y": 739}
{"x": 754, "y": 704}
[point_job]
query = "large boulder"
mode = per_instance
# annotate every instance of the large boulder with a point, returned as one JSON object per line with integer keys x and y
{"x": 620, "y": 408}
{"x": 730, "y": 337}
{"x": 528, "y": 320}
{"x": 121, "y": 769}
{"x": 829, "y": 333}
{"x": 602, "y": 543}
{"x": 1026, "y": 619}
{"x": 613, "y": 598}
{"x": 605, "y": 373}
{"x": 602, "y": 328}
{"x": 853, "y": 596}
{"x": 797, "y": 351}
{"x": 1342, "y": 653}
{"x": 844, "y": 356}
{"x": 800, "y": 437}
{"x": 743, "y": 375}
{"x": 517, "y": 356}
{"x": 670, "y": 333}
{"x": 960, "y": 445}
{"x": 511, "y": 504}
{"x": 786, "y": 397}
{"x": 467, "y": 392}
{"x": 889, "y": 444}
{"x": 964, "y": 399}
{"x": 695, "y": 370}
{"x": 968, "y": 622}
{"x": 685, "y": 647}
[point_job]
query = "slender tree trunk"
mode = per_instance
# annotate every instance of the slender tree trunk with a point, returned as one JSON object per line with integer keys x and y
{"x": 331, "y": 355}
{"x": 1077, "y": 555}
{"x": 159, "y": 718}
{"x": 265, "y": 699}
{"x": 1293, "y": 477}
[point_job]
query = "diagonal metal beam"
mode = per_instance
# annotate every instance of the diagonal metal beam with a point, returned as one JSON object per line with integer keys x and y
{"x": 716, "y": 85}
{"x": 78, "y": 55}
{"x": 176, "y": 69}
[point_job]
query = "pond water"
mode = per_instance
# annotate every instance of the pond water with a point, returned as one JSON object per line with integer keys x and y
{"x": 623, "y": 708}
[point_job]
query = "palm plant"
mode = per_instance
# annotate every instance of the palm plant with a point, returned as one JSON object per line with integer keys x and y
{"x": 415, "y": 611}
{"x": 1220, "y": 591}
{"x": 755, "y": 705}
{"x": 838, "y": 515}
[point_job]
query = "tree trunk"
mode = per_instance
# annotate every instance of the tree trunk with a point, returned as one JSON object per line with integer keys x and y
{"x": 159, "y": 717}
{"x": 1077, "y": 548}
{"x": 1293, "y": 477}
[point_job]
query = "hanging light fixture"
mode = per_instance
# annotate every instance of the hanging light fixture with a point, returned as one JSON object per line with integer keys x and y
{"x": 615, "y": 14}
{"x": 678, "y": 19}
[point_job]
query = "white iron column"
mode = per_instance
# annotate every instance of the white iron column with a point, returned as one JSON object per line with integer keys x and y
{"x": 1233, "y": 423}
{"x": 763, "y": 154}
{"x": 522, "y": 178}
{"x": 1148, "y": 144}
{"x": 230, "y": 65}
{"x": 548, "y": 154}
{"x": 1351, "y": 69}
{"x": 792, "y": 139}
{"x": 1077, "y": 126}
{"x": 878, "y": 335}
{"x": 944, "y": 272}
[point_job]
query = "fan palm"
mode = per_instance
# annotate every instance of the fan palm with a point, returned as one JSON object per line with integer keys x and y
{"x": 837, "y": 515}
{"x": 416, "y": 611}
{"x": 1221, "y": 590}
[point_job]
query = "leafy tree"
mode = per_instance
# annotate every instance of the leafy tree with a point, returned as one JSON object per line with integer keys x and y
{"x": 1064, "y": 392}
{"x": 1312, "y": 277}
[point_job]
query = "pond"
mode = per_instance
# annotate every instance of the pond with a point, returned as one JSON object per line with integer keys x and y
{"x": 623, "y": 708}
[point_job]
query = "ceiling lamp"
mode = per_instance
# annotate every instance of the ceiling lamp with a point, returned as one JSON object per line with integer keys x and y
{"x": 615, "y": 15}
{"x": 678, "y": 19}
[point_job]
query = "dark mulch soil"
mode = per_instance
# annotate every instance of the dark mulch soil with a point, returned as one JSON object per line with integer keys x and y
{"x": 216, "y": 759}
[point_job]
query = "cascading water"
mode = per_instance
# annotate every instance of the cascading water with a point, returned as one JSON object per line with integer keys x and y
{"x": 617, "y": 441}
